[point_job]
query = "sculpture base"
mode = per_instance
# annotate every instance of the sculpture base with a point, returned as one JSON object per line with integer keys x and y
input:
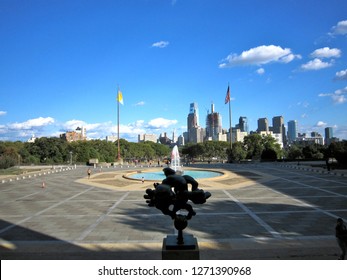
{"x": 189, "y": 250}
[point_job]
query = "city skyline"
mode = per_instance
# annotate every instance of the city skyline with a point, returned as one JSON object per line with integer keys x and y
{"x": 61, "y": 64}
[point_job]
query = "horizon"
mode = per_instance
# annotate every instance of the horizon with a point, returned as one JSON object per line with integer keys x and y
{"x": 61, "y": 64}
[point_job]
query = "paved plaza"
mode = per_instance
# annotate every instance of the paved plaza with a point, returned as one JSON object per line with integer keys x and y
{"x": 257, "y": 211}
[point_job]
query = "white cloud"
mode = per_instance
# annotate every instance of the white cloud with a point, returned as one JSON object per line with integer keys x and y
{"x": 161, "y": 123}
{"x": 341, "y": 75}
{"x": 326, "y": 53}
{"x": 338, "y": 97}
{"x": 160, "y": 44}
{"x": 73, "y": 124}
{"x": 324, "y": 94}
{"x": 341, "y": 91}
{"x": 48, "y": 127}
{"x": 32, "y": 123}
{"x": 128, "y": 131}
{"x": 23, "y": 130}
{"x": 259, "y": 56}
{"x": 94, "y": 130}
{"x": 140, "y": 103}
{"x": 3, "y": 113}
{"x": 340, "y": 28}
{"x": 260, "y": 71}
{"x": 303, "y": 104}
{"x": 315, "y": 64}
{"x": 321, "y": 124}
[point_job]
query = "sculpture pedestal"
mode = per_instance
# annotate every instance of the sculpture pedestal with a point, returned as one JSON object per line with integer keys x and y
{"x": 189, "y": 250}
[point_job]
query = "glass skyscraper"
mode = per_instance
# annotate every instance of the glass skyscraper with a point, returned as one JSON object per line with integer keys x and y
{"x": 292, "y": 131}
{"x": 243, "y": 124}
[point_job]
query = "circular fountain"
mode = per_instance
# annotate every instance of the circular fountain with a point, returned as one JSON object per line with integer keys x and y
{"x": 176, "y": 166}
{"x": 159, "y": 175}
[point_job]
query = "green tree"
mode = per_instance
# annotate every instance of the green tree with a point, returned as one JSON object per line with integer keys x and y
{"x": 338, "y": 150}
{"x": 294, "y": 152}
{"x": 314, "y": 151}
{"x": 238, "y": 152}
{"x": 192, "y": 151}
{"x": 269, "y": 154}
{"x": 254, "y": 146}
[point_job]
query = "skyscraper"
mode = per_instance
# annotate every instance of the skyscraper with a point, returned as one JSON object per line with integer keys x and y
{"x": 193, "y": 116}
{"x": 292, "y": 131}
{"x": 328, "y": 135}
{"x": 278, "y": 127}
{"x": 243, "y": 124}
{"x": 263, "y": 125}
{"x": 194, "y": 131}
{"x": 213, "y": 124}
{"x": 277, "y": 124}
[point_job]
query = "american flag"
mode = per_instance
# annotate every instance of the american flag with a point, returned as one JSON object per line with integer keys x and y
{"x": 227, "y": 97}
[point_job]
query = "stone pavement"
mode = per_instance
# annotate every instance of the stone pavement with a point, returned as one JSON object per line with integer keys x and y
{"x": 257, "y": 211}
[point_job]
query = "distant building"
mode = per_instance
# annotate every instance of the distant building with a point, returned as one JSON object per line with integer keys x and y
{"x": 279, "y": 138}
{"x": 278, "y": 127}
{"x": 174, "y": 137}
{"x": 147, "y": 137}
{"x": 111, "y": 138}
{"x": 32, "y": 139}
{"x": 292, "y": 131}
{"x": 193, "y": 117}
{"x": 315, "y": 138}
{"x": 195, "y": 134}
{"x": 243, "y": 124}
{"x": 328, "y": 135}
{"x": 213, "y": 125}
{"x": 238, "y": 135}
{"x": 163, "y": 139}
{"x": 180, "y": 140}
{"x": 263, "y": 125}
{"x": 79, "y": 134}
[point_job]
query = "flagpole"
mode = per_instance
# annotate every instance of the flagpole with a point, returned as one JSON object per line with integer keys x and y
{"x": 118, "y": 124}
{"x": 230, "y": 127}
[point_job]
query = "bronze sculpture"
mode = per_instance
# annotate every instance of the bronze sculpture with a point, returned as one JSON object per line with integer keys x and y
{"x": 173, "y": 195}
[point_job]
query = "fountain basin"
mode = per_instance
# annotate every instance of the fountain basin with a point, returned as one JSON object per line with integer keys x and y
{"x": 159, "y": 175}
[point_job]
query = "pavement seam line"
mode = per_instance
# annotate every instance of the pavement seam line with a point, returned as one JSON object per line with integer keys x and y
{"x": 254, "y": 216}
{"x": 42, "y": 211}
{"x": 100, "y": 219}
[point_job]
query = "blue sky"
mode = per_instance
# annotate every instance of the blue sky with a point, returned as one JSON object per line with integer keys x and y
{"x": 62, "y": 61}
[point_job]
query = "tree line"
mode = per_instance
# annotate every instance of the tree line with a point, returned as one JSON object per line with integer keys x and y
{"x": 254, "y": 147}
{"x": 265, "y": 148}
{"x": 57, "y": 151}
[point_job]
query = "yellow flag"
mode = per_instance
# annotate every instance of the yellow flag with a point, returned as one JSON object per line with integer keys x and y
{"x": 120, "y": 97}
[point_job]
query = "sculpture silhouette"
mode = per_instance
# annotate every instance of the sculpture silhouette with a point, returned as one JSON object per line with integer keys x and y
{"x": 173, "y": 195}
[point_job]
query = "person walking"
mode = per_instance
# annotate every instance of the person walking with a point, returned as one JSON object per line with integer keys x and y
{"x": 89, "y": 172}
{"x": 341, "y": 237}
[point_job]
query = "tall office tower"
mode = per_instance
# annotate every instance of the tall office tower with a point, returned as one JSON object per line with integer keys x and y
{"x": 292, "y": 131}
{"x": 213, "y": 124}
{"x": 193, "y": 117}
{"x": 277, "y": 124}
{"x": 193, "y": 123}
{"x": 243, "y": 124}
{"x": 278, "y": 127}
{"x": 263, "y": 125}
{"x": 328, "y": 135}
